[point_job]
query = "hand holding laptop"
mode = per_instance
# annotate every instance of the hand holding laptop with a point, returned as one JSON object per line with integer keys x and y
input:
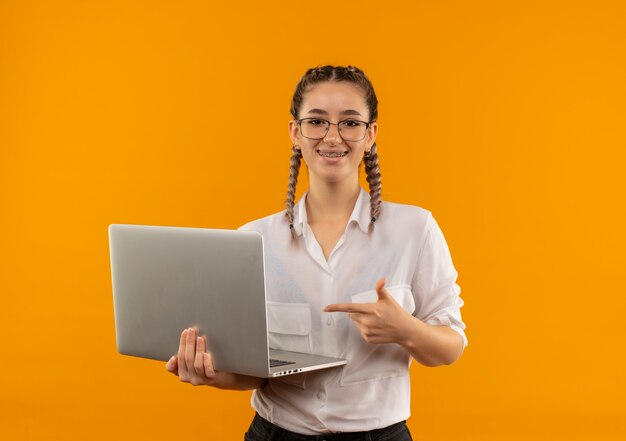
{"x": 194, "y": 365}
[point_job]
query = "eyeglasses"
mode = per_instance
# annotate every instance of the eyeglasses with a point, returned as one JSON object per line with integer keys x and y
{"x": 349, "y": 129}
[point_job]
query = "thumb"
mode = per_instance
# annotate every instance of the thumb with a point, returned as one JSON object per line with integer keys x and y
{"x": 172, "y": 365}
{"x": 380, "y": 289}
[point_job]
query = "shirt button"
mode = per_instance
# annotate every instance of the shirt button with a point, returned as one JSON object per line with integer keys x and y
{"x": 321, "y": 395}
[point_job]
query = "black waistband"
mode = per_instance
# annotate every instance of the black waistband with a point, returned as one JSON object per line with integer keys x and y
{"x": 343, "y": 436}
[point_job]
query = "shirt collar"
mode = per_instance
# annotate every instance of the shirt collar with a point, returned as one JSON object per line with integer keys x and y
{"x": 360, "y": 213}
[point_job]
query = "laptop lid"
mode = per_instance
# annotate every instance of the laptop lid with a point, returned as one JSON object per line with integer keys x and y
{"x": 166, "y": 279}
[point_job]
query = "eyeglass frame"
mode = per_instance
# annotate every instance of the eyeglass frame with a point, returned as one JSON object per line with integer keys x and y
{"x": 367, "y": 126}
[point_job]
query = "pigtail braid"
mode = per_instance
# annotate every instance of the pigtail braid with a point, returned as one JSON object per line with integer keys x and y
{"x": 373, "y": 178}
{"x": 294, "y": 170}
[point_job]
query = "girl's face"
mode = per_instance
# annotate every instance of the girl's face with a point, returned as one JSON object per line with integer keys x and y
{"x": 333, "y": 101}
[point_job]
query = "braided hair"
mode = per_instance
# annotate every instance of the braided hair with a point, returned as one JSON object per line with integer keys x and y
{"x": 294, "y": 170}
{"x": 336, "y": 73}
{"x": 373, "y": 179}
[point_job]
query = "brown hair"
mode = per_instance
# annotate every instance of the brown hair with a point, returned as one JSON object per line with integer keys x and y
{"x": 336, "y": 73}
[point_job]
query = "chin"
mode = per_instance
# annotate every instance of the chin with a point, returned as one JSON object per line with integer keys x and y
{"x": 332, "y": 178}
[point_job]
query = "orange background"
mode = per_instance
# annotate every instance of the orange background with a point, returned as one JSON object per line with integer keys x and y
{"x": 505, "y": 119}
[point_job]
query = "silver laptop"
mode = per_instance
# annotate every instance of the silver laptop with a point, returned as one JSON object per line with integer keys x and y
{"x": 166, "y": 279}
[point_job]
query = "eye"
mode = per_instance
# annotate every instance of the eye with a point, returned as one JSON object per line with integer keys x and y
{"x": 315, "y": 122}
{"x": 352, "y": 123}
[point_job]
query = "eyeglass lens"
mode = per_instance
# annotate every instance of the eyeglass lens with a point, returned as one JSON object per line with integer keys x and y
{"x": 350, "y": 130}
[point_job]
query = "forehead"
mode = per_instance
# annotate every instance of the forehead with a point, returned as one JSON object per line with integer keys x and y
{"x": 334, "y": 96}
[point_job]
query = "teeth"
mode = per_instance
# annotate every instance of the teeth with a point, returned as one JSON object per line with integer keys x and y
{"x": 332, "y": 155}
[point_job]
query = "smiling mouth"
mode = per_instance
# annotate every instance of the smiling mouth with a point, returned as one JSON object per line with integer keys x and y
{"x": 332, "y": 154}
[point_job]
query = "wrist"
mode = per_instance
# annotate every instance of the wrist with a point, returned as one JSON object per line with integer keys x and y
{"x": 223, "y": 380}
{"x": 409, "y": 328}
{"x": 232, "y": 381}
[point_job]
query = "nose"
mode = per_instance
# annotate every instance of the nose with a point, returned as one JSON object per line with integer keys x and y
{"x": 333, "y": 136}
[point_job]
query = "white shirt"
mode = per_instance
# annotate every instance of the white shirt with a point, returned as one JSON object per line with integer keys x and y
{"x": 373, "y": 390}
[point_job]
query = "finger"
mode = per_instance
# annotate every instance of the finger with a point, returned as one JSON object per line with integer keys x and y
{"x": 358, "y": 318}
{"x": 209, "y": 372}
{"x": 347, "y": 307}
{"x": 198, "y": 364}
{"x": 360, "y": 327}
{"x": 364, "y": 322}
{"x": 182, "y": 367}
{"x": 380, "y": 289}
{"x": 362, "y": 330}
{"x": 172, "y": 365}
{"x": 190, "y": 350}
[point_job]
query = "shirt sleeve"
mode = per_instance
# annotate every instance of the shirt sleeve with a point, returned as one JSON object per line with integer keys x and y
{"x": 437, "y": 300}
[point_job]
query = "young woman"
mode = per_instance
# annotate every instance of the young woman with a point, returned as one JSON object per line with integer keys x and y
{"x": 348, "y": 275}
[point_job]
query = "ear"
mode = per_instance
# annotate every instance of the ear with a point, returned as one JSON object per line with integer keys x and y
{"x": 371, "y": 135}
{"x": 294, "y": 131}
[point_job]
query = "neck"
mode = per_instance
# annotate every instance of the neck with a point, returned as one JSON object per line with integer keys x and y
{"x": 331, "y": 201}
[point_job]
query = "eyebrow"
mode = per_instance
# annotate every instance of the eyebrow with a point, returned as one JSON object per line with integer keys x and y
{"x": 345, "y": 112}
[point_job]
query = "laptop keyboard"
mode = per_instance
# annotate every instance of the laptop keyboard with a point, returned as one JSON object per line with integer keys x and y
{"x": 274, "y": 362}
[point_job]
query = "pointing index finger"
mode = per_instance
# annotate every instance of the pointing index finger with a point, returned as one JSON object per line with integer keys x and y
{"x": 345, "y": 307}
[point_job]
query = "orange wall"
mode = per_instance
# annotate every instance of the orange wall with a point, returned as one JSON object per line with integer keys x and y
{"x": 505, "y": 119}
